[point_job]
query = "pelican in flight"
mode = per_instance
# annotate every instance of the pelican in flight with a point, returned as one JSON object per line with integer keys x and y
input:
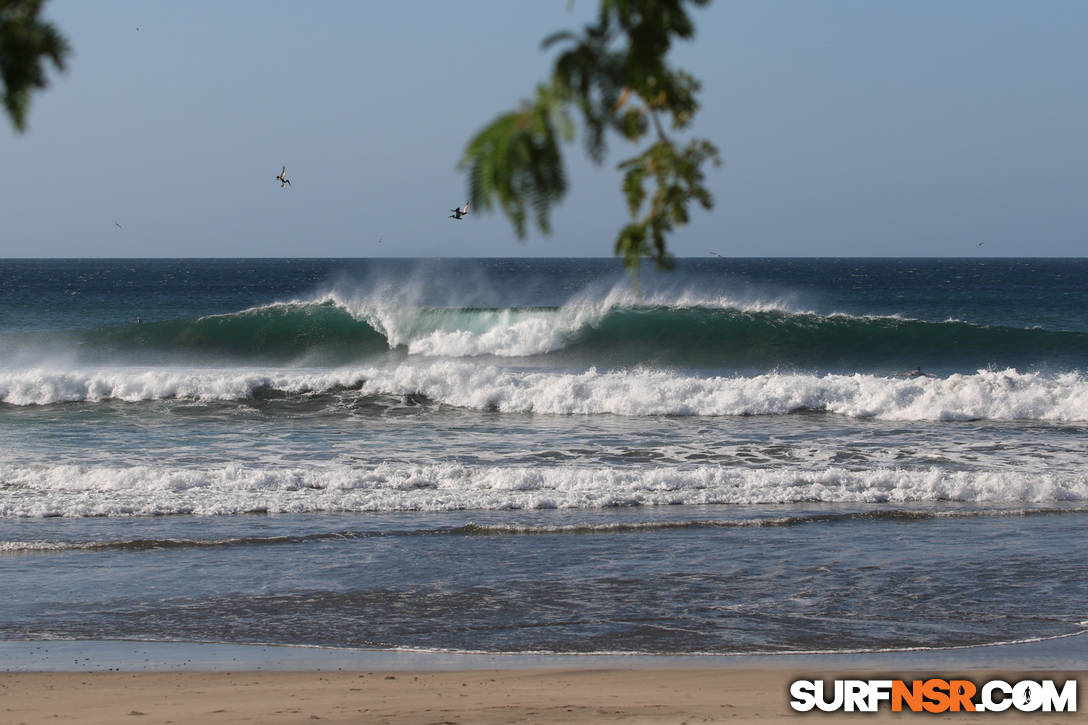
{"x": 458, "y": 213}
{"x": 282, "y": 178}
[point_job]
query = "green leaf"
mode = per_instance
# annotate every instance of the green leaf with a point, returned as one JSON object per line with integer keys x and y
{"x": 26, "y": 42}
{"x": 615, "y": 77}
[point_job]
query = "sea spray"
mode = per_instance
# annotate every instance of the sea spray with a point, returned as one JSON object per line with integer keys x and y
{"x": 524, "y": 456}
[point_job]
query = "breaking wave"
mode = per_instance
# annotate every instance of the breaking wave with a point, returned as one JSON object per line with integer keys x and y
{"x": 47, "y": 490}
{"x": 984, "y": 395}
{"x": 616, "y": 329}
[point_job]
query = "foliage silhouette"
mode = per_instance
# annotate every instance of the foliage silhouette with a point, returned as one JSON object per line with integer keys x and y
{"x": 26, "y": 43}
{"x": 614, "y": 75}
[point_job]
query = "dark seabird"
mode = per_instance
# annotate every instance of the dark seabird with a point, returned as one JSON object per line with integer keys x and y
{"x": 282, "y": 178}
{"x": 458, "y": 213}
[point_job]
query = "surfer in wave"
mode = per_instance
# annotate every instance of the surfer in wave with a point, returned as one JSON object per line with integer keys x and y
{"x": 915, "y": 373}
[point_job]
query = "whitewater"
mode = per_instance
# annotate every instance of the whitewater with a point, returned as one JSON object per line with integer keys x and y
{"x": 531, "y": 455}
{"x": 987, "y": 394}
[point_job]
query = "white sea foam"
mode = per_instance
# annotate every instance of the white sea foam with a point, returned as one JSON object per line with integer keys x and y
{"x": 463, "y": 327}
{"x": 987, "y": 394}
{"x": 457, "y": 333}
{"x": 39, "y": 490}
{"x": 1007, "y": 394}
{"x": 44, "y": 386}
{"x": 395, "y": 312}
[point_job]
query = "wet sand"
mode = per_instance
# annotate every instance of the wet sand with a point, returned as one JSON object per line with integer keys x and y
{"x": 91, "y": 682}
{"x": 674, "y": 695}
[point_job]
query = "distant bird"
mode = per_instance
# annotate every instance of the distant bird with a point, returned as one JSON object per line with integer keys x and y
{"x": 282, "y": 178}
{"x": 458, "y": 213}
{"x": 717, "y": 255}
{"x": 980, "y": 244}
{"x": 118, "y": 225}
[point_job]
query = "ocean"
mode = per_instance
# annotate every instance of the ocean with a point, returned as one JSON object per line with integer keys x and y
{"x": 533, "y": 456}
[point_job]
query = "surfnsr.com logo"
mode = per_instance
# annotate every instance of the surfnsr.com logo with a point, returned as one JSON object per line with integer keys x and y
{"x": 933, "y": 695}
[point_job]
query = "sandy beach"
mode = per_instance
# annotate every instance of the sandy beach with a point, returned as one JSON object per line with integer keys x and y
{"x": 478, "y": 696}
{"x": 610, "y": 361}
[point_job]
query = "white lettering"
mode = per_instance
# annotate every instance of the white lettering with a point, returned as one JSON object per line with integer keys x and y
{"x": 1064, "y": 701}
{"x": 856, "y": 696}
{"x": 989, "y": 704}
{"x": 821, "y": 697}
{"x": 803, "y": 693}
{"x": 879, "y": 690}
{"x": 1027, "y": 696}
{"x": 993, "y": 696}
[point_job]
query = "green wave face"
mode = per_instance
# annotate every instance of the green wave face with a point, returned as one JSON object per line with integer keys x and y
{"x": 696, "y": 337}
{"x": 730, "y": 338}
{"x": 276, "y": 333}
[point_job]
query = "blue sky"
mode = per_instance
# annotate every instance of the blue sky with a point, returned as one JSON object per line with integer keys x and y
{"x": 847, "y": 129}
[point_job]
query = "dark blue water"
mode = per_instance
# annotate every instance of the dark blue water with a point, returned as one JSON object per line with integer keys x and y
{"x": 531, "y": 455}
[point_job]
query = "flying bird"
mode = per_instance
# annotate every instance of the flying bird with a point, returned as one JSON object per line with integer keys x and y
{"x": 717, "y": 255}
{"x": 282, "y": 178}
{"x": 118, "y": 225}
{"x": 458, "y": 213}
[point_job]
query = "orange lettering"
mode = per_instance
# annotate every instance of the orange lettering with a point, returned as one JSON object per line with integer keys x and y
{"x": 912, "y": 695}
{"x": 936, "y": 691}
{"x": 961, "y": 692}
